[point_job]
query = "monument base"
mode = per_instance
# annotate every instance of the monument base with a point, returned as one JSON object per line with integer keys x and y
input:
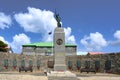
{"x": 59, "y": 67}
{"x": 65, "y": 75}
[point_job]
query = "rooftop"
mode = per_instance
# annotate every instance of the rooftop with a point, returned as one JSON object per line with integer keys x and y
{"x": 94, "y": 53}
{"x": 45, "y": 44}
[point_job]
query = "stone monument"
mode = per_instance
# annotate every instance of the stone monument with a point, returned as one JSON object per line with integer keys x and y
{"x": 59, "y": 49}
{"x": 60, "y": 70}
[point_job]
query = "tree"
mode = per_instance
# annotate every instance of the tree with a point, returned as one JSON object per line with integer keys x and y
{"x": 3, "y": 46}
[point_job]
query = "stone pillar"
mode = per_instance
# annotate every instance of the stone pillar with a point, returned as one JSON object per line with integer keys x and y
{"x": 59, "y": 49}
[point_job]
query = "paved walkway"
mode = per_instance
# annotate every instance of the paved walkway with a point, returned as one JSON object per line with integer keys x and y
{"x": 41, "y": 76}
{"x": 98, "y": 76}
{"x": 22, "y": 76}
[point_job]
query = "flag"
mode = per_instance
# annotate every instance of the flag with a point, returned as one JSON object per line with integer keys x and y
{"x": 50, "y": 33}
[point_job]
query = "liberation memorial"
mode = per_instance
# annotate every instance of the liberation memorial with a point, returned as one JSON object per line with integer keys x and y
{"x": 60, "y": 70}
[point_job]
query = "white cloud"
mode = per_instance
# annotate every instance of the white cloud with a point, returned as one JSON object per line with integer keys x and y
{"x": 82, "y": 53}
{"x": 41, "y": 21}
{"x": 2, "y": 39}
{"x": 94, "y": 41}
{"x": 5, "y": 20}
{"x": 68, "y": 37}
{"x": 117, "y": 41}
{"x": 18, "y": 41}
{"x": 117, "y": 34}
{"x": 37, "y": 21}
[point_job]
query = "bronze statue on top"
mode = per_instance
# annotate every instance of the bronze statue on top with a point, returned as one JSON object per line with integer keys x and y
{"x": 58, "y": 20}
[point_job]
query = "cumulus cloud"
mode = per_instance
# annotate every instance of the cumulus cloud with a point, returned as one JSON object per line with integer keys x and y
{"x": 41, "y": 21}
{"x": 37, "y": 21}
{"x": 2, "y": 39}
{"x": 82, "y": 53}
{"x": 68, "y": 37}
{"x": 117, "y": 34}
{"x": 18, "y": 41}
{"x": 5, "y": 20}
{"x": 93, "y": 42}
{"x": 117, "y": 41}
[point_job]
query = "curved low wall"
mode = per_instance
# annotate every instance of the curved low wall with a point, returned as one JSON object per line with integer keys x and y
{"x": 102, "y": 62}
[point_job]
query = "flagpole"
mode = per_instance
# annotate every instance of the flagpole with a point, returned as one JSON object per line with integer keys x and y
{"x": 51, "y": 42}
{"x": 52, "y": 47}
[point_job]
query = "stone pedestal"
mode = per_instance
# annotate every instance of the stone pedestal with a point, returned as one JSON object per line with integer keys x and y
{"x": 66, "y": 75}
{"x": 59, "y": 49}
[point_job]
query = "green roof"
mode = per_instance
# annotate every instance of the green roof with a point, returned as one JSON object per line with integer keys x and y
{"x": 45, "y": 44}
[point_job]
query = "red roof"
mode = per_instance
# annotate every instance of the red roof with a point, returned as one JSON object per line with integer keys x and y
{"x": 94, "y": 53}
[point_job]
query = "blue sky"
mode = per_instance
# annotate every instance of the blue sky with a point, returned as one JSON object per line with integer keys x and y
{"x": 94, "y": 25}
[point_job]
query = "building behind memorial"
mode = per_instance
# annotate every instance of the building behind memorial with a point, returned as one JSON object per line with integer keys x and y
{"x": 46, "y": 48}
